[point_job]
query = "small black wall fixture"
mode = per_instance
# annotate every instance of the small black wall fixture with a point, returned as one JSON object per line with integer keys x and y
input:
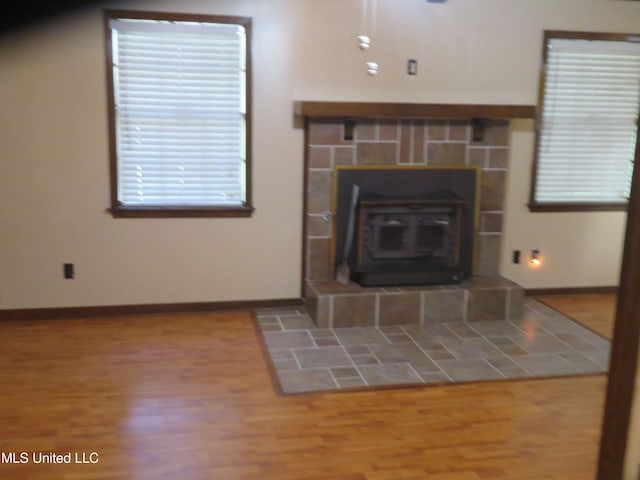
{"x": 477, "y": 129}
{"x": 349, "y": 127}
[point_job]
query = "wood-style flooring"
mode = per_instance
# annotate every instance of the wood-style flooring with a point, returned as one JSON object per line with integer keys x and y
{"x": 190, "y": 397}
{"x": 595, "y": 311}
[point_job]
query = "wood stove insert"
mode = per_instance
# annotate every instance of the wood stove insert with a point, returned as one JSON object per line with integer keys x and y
{"x": 415, "y": 226}
{"x": 408, "y": 241}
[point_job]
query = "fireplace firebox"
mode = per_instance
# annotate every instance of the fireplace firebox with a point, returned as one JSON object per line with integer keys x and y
{"x": 402, "y": 241}
{"x": 414, "y": 226}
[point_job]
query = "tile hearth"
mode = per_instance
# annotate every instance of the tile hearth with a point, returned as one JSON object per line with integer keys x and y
{"x": 478, "y": 298}
{"x": 542, "y": 343}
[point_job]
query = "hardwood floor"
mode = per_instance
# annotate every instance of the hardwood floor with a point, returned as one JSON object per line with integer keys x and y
{"x": 595, "y": 311}
{"x": 190, "y": 397}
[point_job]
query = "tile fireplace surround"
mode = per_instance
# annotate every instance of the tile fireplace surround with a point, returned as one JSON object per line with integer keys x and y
{"x": 410, "y": 143}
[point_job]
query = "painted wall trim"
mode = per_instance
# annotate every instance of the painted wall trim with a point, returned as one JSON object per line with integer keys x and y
{"x": 75, "y": 312}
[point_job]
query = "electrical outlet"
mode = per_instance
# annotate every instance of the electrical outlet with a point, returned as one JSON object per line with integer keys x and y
{"x": 516, "y": 256}
{"x": 67, "y": 270}
{"x": 412, "y": 67}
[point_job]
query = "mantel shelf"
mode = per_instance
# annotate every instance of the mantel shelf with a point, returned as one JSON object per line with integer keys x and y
{"x": 412, "y": 110}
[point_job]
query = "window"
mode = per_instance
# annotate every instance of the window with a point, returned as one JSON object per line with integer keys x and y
{"x": 588, "y": 122}
{"x": 179, "y": 95}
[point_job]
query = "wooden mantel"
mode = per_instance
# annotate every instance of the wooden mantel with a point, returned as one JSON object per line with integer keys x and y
{"x": 412, "y": 110}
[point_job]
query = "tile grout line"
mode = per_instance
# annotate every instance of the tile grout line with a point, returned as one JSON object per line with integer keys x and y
{"x": 426, "y": 354}
{"x": 465, "y": 306}
{"x": 411, "y": 142}
{"x": 495, "y": 368}
{"x": 523, "y": 368}
{"x": 415, "y": 371}
{"x": 333, "y": 377}
{"x": 331, "y": 312}
{"x": 295, "y": 358}
{"x": 549, "y": 332}
{"x": 376, "y": 311}
{"x": 351, "y": 359}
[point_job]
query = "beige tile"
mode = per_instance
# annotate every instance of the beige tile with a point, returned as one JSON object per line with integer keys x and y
{"x": 342, "y": 372}
{"x": 507, "y": 367}
{"x": 489, "y": 254}
{"x": 418, "y": 142}
{"x": 319, "y": 251}
{"x": 319, "y": 191}
{"x": 351, "y": 382}
{"x": 390, "y": 374}
{"x": 405, "y": 142}
{"x": 322, "y": 357}
{"x": 495, "y": 328}
{"x": 320, "y": 157}
{"x": 326, "y": 131}
{"x": 443, "y": 306}
{"x": 326, "y": 342}
{"x": 318, "y": 226}
{"x": 434, "y": 377}
{"x": 297, "y": 381}
{"x": 343, "y": 156}
{"x": 360, "y": 336}
{"x": 285, "y": 364}
{"x": 407, "y": 352}
{"x": 469, "y": 369}
{"x": 498, "y": 157}
{"x": 376, "y": 153}
{"x": 545, "y": 364}
{"x": 323, "y": 318}
{"x": 477, "y": 157}
{"x": 492, "y": 222}
{"x": 365, "y": 130}
{"x": 487, "y": 304}
{"x": 357, "y": 349}
{"x": 399, "y": 308}
{"x": 463, "y": 330}
{"x": 294, "y": 339}
{"x": 365, "y": 359}
{"x": 442, "y": 153}
{"x": 425, "y": 335}
{"x": 539, "y": 342}
{"x": 437, "y": 130}
{"x": 459, "y": 130}
{"x": 439, "y": 354}
{"x": 493, "y": 188}
{"x": 388, "y": 129}
{"x": 516, "y": 303}
{"x": 354, "y": 310}
{"x": 301, "y": 322}
{"x": 582, "y": 363}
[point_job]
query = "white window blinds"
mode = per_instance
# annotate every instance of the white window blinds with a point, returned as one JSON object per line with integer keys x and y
{"x": 179, "y": 91}
{"x": 589, "y": 121}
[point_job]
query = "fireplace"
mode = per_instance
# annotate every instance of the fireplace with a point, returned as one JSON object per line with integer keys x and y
{"x": 414, "y": 225}
{"x": 434, "y": 171}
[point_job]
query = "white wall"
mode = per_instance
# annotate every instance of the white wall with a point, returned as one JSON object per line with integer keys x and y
{"x": 579, "y": 249}
{"x": 54, "y": 185}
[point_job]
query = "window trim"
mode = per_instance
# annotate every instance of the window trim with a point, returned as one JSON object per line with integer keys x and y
{"x": 533, "y": 205}
{"x": 116, "y": 209}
